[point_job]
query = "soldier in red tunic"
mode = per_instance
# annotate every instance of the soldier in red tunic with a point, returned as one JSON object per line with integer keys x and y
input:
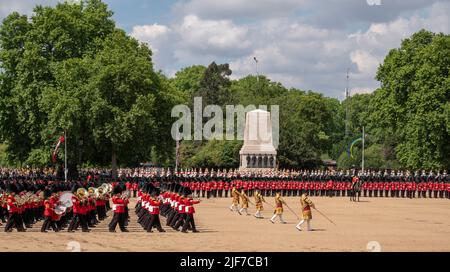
{"x": 14, "y": 218}
{"x": 226, "y": 188}
{"x": 119, "y": 203}
{"x": 154, "y": 204}
{"x": 135, "y": 187}
{"x": 220, "y": 187}
{"x": 79, "y": 201}
{"x": 49, "y": 213}
{"x": 189, "y": 203}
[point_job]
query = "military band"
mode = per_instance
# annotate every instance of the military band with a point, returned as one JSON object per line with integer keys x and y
{"x": 29, "y": 198}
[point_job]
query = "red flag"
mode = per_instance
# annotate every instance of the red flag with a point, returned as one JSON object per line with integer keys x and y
{"x": 55, "y": 152}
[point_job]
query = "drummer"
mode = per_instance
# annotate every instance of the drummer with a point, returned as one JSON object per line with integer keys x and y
{"x": 49, "y": 212}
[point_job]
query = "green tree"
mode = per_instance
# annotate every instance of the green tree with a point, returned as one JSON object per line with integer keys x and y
{"x": 188, "y": 80}
{"x": 215, "y": 85}
{"x": 28, "y": 52}
{"x": 411, "y": 105}
{"x": 69, "y": 69}
{"x": 307, "y": 128}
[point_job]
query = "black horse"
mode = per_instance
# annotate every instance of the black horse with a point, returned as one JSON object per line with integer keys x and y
{"x": 355, "y": 192}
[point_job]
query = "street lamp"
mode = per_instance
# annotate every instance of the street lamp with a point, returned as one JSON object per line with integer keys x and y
{"x": 257, "y": 74}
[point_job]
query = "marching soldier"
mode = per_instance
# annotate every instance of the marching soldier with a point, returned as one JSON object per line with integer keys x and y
{"x": 49, "y": 212}
{"x": 235, "y": 199}
{"x": 154, "y": 212}
{"x": 189, "y": 223}
{"x": 119, "y": 203}
{"x": 14, "y": 218}
{"x": 244, "y": 203}
{"x": 259, "y": 199}
{"x": 278, "y": 209}
{"x": 79, "y": 202}
{"x": 306, "y": 204}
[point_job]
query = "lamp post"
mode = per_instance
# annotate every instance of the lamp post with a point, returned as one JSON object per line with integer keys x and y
{"x": 257, "y": 74}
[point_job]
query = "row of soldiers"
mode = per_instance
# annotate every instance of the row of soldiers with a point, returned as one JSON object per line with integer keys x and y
{"x": 25, "y": 203}
{"x": 172, "y": 201}
{"x": 241, "y": 197}
{"x": 323, "y": 184}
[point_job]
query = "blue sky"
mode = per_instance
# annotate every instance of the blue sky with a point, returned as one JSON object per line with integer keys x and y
{"x": 307, "y": 44}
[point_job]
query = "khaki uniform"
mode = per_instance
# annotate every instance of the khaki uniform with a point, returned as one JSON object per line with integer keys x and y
{"x": 244, "y": 203}
{"x": 259, "y": 202}
{"x": 306, "y": 207}
{"x": 235, "y": 196}
{"x": 278, "y": 205}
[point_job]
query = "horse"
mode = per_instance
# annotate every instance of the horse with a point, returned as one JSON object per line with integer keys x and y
{"x": 355, "y": 191}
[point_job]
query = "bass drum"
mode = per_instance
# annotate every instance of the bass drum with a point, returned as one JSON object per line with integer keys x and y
{"x": 59, "y": 212}
{"x": 66, "y": 199}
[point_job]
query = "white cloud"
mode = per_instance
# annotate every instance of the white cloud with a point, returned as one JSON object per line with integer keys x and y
{"x": 155, "y": 35}
{"x": 150, "y": 32}
{"x": 306, "y": 44}
{"x": 366, "y": 62}
{"x": 219, "y": 36}
{"x": 219, "y": 9}
{"x": 23, "y": 7}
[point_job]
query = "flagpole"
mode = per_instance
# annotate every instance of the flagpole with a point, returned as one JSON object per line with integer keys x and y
{"x": 363, "y": 143}
{"x": 177, "y": 150}
{"x": 65, "y": 156}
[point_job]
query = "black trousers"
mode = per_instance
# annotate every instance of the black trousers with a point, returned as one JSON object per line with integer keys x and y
{"x": 14, "y": 220}
{"x": 175, "y": 219}
{"x": 170, "y": 216}
{"x": 3, "y": 214}
{"x": 189, "y": 223}
{"x": 154, "y": 222}
{"x": 78, "y": 219}
{"x": 101, "y": 212}
{"x": 180, "y": 221}
{"x": 118, "y": 218}
{"x": 48, "y": 222}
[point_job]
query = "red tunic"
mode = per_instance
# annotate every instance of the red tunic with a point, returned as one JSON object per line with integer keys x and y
{"x": 119, "y": 204}
{"x": 190, "y": 205}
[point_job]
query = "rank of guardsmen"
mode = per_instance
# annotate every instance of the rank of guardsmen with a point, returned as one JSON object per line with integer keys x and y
{"x": 29, "y": 196}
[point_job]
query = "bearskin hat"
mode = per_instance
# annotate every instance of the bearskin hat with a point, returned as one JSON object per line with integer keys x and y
{"x": 117, "y": 190}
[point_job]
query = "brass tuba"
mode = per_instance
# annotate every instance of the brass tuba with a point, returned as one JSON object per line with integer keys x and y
{"x": 81, "y": 193}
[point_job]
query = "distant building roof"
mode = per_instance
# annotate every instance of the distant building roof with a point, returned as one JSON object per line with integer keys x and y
{"x": 329, "y": 162}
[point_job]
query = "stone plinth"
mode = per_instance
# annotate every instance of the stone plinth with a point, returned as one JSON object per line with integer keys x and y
{"x": 258, "y": 150}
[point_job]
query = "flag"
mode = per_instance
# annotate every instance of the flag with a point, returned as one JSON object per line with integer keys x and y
{"x": 350, "y": 147}
{"x": 55, "y": 152}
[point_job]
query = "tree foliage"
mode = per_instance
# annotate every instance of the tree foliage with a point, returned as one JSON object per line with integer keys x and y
{"x": 68, "y": 69}
{"x": 410, "y": 110}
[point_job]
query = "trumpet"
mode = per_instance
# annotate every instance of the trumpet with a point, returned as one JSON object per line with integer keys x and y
{"x": 125, "y": 195}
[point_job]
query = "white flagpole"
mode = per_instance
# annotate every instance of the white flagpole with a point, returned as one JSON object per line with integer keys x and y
{"x": 363, "y": 143}
{"x": 65, "y": 156}
{"x": 177, "y": 150}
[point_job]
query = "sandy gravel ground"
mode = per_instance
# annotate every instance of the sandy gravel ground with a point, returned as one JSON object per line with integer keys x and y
{"x": 386, "y": 224}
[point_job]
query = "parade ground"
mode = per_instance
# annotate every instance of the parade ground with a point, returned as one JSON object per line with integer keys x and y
{"x": 379, "y": 224}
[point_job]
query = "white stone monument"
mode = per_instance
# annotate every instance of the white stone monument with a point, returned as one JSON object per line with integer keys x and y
{"x": 258, "y": 150}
